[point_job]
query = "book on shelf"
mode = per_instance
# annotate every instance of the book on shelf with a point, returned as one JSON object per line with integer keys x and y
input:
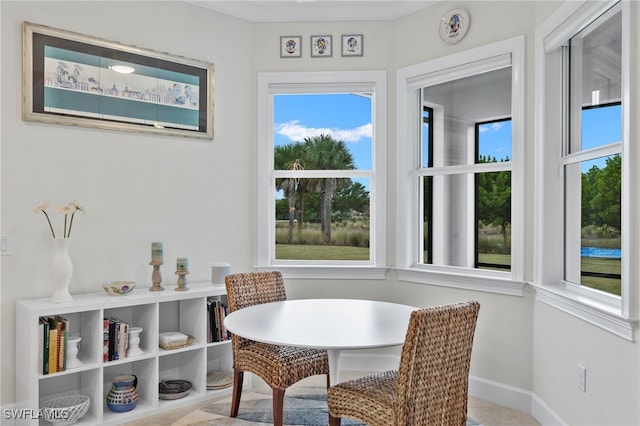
{"x": 112, "y": 340}
{"x": 217, "y": 311}
{"x": 44, "y": 339}
{"x": 63, "y": 331}
{"x": 115, "y": 340}
{"x": 53, "y": 345}
{"x": 123, "y": 340}
{"x": 105, "y": 340}
{"x": 209, "y": 337}
{"x": 224, "y": 311}
{"x": 53, "y": 349}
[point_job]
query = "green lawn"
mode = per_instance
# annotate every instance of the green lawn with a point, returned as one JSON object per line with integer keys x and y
{"x": 318, "y": 252}
{"x": 608, "y": 266}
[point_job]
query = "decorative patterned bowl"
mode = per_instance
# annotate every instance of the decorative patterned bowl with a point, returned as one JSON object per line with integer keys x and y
{"x": 65, "y": 410}
{"x": 119, "y": 288}
{"x": 174, "y": 389}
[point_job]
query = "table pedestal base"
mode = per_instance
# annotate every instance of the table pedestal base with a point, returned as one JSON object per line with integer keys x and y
{"x": 334, "y": 365}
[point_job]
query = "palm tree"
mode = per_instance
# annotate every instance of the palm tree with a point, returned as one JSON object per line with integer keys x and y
{"x": 325, "y": 153}
{"x": 289, "y": 157}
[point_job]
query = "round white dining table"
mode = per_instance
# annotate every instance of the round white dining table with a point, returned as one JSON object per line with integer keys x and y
{"x": 331, "y": 324}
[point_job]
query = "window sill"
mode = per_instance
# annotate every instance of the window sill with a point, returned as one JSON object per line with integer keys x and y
{"x": 329, "y": 272}
{"x": 489, "y": 284}
{"x": 598, "y": 313}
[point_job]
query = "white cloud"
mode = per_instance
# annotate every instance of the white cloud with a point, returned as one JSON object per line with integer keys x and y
{"x": 493, "y": 127}
{"x": 296, "y": 132}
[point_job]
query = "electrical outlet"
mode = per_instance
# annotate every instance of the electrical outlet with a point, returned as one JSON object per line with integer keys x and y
{"x": 581, "y": 377}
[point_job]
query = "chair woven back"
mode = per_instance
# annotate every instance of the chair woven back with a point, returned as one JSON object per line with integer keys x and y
{"x": 434, "y": 366}
{"x": 252, "y": 288}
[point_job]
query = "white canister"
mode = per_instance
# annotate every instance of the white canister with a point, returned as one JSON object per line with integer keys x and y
{"x": 219, "y": 271}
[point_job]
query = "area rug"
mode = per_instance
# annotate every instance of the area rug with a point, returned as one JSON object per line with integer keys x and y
{"x": 302, "y": 408}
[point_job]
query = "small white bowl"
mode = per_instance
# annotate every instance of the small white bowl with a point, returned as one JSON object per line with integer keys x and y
{"x": 119, "y": 288}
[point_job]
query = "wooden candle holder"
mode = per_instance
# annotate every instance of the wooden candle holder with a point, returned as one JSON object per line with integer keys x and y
{"x": 182, "y": 280}
{"x": 156, "y": 277}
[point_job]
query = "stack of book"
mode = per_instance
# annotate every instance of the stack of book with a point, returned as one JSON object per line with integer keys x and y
{"x": 53, "y": 344}
{"x": 217, "y": 311}
{"x": 115, "y": 339}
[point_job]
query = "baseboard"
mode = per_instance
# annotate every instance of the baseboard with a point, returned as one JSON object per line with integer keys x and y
{"x": 545, "y": 415}
{"x": 498, "y": 393}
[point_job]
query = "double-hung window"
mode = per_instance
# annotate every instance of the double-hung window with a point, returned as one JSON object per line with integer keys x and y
{"x": 321, "y": 173}
{"x": 461, "y": 170}
{"x": 585, "y": 155}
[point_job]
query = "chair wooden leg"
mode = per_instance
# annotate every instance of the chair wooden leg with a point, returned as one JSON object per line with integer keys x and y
{"x": 334, "y": 421}
{"x": 278, "y": 406}
{"x": 238, "y": 377}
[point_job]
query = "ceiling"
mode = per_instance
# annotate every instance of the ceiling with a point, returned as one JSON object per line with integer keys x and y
{"x": 315, "y": 10}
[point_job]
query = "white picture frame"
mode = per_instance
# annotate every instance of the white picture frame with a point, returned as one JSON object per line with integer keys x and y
{"x": 321, "y": 46}
{"x": 352, "y": 45}
{"x": 291, "y": 46}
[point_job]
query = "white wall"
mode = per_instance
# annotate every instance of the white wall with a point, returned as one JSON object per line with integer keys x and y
{"x": 191, "y": 196}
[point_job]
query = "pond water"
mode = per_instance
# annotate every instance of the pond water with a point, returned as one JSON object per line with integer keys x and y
{"x": 611, "y": 253}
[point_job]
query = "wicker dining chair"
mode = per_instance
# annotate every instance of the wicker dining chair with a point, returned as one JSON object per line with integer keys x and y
{"x": 431, "y": 385}
{"x": 278, "y": 366}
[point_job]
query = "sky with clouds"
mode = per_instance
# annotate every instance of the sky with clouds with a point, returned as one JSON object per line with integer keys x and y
{"x": 345, "y": 117}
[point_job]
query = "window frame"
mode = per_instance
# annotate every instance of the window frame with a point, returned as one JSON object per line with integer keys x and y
{"x": 410, "y": 80}
{"x": 272, "y": 83}
{"x": 617, "y": 315}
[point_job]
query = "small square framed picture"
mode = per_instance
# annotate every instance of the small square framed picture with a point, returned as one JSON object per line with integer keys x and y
{"x": 290, "y": 46}
{"x": 321, "y": 46}
{"x": 352, "y": 45}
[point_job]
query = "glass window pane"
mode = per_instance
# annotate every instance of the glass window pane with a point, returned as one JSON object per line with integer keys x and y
{"x": 494, "y": 141}
{"x": 593, "y": 223}
{"x": 601, "y": 126}
{"x": 600, "y": 248}
{"x": 427, "y": 220}
{"x": 450, "y": 213}
{"x": 322, "y": 219}
{"x": 458, "y": 105}
{"x": 322, "y": 131}
{"x": 493, "y": 220}
{"x": 596, "y": 75}
{"x": 427, "y": 137}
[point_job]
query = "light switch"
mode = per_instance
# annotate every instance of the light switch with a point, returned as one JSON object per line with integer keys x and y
{"x": 4, "y": 245}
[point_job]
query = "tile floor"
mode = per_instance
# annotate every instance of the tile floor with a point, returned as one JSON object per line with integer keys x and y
{"x": 487, "y": 413}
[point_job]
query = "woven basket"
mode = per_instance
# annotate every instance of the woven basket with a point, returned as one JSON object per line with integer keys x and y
{"x": 177, "y": 345}
{"x": 65, "y": 410}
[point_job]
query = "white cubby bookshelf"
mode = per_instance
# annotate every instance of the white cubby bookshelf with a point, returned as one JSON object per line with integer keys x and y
{"x": 155, "y": 312}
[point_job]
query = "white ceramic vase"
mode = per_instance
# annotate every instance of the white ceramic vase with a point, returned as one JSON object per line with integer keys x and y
{"x": 61, "y": 271}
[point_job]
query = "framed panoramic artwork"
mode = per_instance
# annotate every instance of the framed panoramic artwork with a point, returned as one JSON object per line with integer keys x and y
{"x": 78, "y": 80}
{"x": 321, "y": 46}
{"x": 352, "y": 45}
{"x": 291, "y": 47}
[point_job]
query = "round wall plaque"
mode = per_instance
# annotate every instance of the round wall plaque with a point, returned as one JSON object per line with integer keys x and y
{"x": 454, "y": 25}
